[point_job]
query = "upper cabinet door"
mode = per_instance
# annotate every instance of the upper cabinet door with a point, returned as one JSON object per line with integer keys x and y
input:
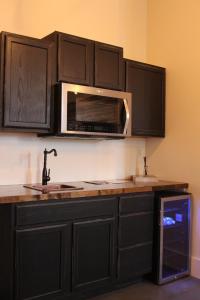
{"x": 108, "y": 66}
{"x": 27, "y": 85}
{"x": 75, "y": 59}
{"x": 147, "y": 84}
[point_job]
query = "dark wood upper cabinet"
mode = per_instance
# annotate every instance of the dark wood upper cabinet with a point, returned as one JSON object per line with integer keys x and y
{"x": 30, "y": 68}
{"x": 83, "y": 61}
{"x": 108, "y": 66}
{"x": 25, "y": 83}
{"x": 73, "y": 58}
{"x": 147, "y": 84}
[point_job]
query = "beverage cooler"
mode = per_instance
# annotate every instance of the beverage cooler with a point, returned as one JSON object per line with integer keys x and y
{"x": 172, "y": 247}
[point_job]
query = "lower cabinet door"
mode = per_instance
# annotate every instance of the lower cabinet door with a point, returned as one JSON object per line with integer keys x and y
{"x": 134, "y": 262}
{"x": 93, "y": 253}
{"x": 43, "y": 262}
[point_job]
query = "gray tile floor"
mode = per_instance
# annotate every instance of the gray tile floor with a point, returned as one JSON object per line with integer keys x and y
{"x": 183, "y": 289}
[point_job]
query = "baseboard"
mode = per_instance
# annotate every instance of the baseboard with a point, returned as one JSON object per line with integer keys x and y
{"x": 195, "y": 267}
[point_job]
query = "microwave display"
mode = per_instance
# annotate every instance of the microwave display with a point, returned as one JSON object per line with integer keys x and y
{"x": 95, "y": 113}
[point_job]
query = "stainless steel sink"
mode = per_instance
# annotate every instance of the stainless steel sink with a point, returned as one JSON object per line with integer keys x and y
{"x": 52, "y": 187}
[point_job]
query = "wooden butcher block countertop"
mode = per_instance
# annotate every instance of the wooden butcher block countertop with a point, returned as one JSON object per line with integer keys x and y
{"x": 18, "y": 193}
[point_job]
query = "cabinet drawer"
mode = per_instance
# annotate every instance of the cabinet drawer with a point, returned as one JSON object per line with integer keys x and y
{"x": 135, "y": 261}
{"x": 29, "y": 214}
{"x": 135, "y": 229}
{"x": 134, "y": 203}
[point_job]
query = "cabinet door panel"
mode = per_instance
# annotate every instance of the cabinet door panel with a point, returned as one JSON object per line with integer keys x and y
{"x": 108, "y": 66}
{"x": 93, "y": 257}
{"x": 135, "y": 261}
{"x": 27, "y": 84}
{"x": 135, "y": 229}
{"x": 75, "y": 60}
{"x": 147, "y": 83}
{"x": 43, "y": 262}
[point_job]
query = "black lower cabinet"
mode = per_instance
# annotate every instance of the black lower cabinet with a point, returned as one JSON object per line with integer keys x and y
{"x": 134, "y": 262}
{"x": 136, "y": 229}
{"x": 71, "y": 250}
{"x": 93, "y": 253}
{"x": 43, "y": 262}
{"x": 136, "y": 218}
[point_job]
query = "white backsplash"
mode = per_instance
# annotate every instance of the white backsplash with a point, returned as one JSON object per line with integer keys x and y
{"x": 22, "y": 158}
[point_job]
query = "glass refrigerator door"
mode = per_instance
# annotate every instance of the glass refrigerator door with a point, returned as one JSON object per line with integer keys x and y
{"x": 174, "y": 237}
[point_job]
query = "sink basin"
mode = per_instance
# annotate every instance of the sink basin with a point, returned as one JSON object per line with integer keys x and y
{"x": 52, "y": 187}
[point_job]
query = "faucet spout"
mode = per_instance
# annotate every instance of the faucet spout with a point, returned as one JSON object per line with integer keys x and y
{"x": 52, "y": 150}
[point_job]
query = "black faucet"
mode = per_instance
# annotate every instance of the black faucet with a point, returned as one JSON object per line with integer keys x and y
{"x": 45, "y": 174}
{"x": 145, "y": 166}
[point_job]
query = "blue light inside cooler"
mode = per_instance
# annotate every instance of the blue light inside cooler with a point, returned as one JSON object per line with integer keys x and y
{"x": 179, "y": 218}
{"x": 168, "y": 221}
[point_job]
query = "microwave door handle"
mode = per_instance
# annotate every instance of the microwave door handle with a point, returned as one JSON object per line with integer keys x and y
{"x": 127, "y": 116}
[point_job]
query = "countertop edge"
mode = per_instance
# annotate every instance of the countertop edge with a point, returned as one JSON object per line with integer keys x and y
{"x": 13, "y": 194}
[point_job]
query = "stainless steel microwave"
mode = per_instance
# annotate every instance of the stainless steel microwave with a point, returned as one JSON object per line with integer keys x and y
{"x": 91, "y": 111}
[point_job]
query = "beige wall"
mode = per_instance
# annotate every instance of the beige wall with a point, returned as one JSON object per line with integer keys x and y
{"x": 173, "y": 42}
{"x": 118, "y": 22}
